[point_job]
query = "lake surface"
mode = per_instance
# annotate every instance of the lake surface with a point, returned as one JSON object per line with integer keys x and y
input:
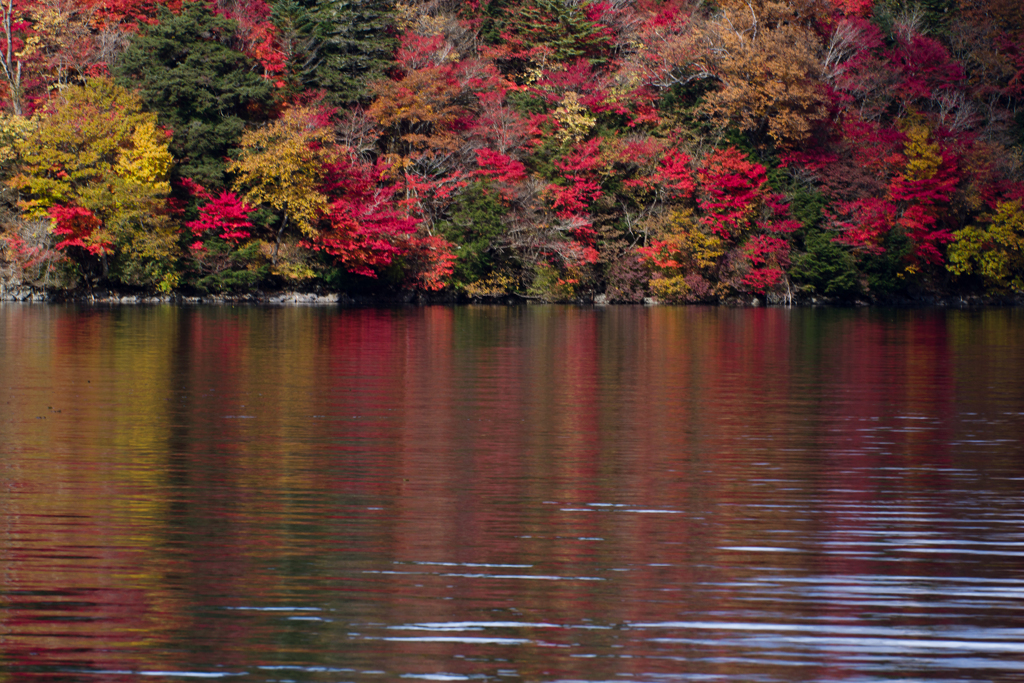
{"x": 511, "y": 494}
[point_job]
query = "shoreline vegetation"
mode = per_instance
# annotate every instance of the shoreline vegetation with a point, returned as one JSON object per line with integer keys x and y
{"x": 360, "y": 152}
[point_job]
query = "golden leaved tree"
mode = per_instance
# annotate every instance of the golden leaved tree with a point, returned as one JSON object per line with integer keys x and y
{"x": 282, "y": 167}
{"x": 768, "y": 61}
{"x": 96, "y": 151}
{"x": 993, "y": 250}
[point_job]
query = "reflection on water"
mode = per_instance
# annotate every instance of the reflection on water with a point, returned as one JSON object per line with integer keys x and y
{"x": 536, "y": 494}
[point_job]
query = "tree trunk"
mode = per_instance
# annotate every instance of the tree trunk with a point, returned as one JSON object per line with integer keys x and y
{"x": 10, "y": 65}
{"x": 277, "y": 241}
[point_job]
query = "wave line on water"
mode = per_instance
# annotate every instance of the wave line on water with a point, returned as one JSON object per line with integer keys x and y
{"x": 471, "y": 625}
{"x": 528, "y": 577}
{"x": 171, "y": 674}
{"x": 466, "y": 564}
{"x": 462, "y": 575}
{"x": 469, "y": 640}
{"x": 1015, "y": 636}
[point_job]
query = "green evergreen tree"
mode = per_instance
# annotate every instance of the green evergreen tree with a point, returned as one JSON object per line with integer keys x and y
{"x": 493, "y": 17}
{"x": 476, "y": 226}
{"x": 338, "y": 46}
{"x": 826, "y": 267}
{"x": 936, "y": 15}
{"x": 886, "y": 271}
{"x": 200, "y": 88}
{"x": 297, "y": 35}
{"x": 562, "y": 27}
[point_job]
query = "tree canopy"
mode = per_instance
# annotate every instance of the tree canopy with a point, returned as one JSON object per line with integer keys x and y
{"x": 544, "y": 149}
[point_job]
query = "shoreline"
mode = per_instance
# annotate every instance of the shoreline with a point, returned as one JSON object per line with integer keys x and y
{"x": 112, "y": 297}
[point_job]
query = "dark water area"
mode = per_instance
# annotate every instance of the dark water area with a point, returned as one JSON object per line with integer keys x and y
{"x": 511, "y": 494}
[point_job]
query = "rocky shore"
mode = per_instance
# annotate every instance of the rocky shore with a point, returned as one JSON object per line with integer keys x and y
{"x": 29, "y": 294}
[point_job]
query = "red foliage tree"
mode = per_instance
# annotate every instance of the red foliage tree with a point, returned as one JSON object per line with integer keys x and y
{"x": 675, "y": 176}
{"x": 226, "y": 216}
{"x": 504, "y": 171}
{"x": 767, "y": 252}
{"x": 925, "y": 68}
{"x": 730, "y": 185}
{"x": 364, "y": 229}
{"x": 129, "y": 14}
{"x": 431, "y": 261}
{"x": 79, "y": 228}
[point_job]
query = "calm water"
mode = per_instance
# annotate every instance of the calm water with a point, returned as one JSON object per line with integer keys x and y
{"x": 511, "y": 494}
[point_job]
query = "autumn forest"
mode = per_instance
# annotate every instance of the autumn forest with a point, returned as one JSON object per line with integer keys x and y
{"x": 689, "y": 151}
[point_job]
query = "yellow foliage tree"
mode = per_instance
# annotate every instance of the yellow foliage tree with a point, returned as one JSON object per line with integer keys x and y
{"x": 14, "y": 130}
{"x": 574, "y": 120}
{"x": 148, "y": 161}
{"x": 994, "y": 251}
{"x": 924, "y": 156}
{"x": 682, "y": 255}
{"x": 282, "y": 166}
{"x": 96, "y": 149}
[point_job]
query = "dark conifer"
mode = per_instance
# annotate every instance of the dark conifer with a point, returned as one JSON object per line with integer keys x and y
{"x": 342, "y": 45}
{"x": 200, "y": 88}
